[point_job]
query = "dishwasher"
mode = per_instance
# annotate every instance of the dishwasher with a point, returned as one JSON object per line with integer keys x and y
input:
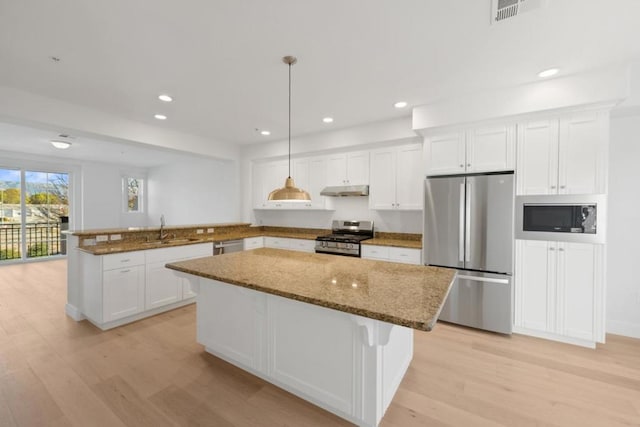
{"x": 226, "y": 247}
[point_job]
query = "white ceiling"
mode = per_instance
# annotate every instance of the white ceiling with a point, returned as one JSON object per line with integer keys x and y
{"x": 221, "y": 60}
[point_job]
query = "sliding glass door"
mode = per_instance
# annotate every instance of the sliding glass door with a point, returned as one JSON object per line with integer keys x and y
{"x": 34, "y": 209}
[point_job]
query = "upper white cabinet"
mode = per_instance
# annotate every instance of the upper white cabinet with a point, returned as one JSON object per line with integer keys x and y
{"x": 266, "y": 177}
{"x": 557, "y": 289}
{"x": 348, "y": 169}
{"x": 565, "y": 155}
{"x": 481, "y": 149}
{"x": 310, "y": 174}
{"x": 396, "y": 178}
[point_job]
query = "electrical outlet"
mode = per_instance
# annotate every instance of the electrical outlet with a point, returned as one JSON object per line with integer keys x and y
{"x": 88, "y": 242}
{"x": 209, "y": 230}
{"x": 115, "y": 237}
{"x": 102, "y": 238}
{"x": 199, "y": 231}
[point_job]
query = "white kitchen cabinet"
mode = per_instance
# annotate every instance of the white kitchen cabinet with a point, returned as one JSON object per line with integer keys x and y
{"x": 557, "y": 286}
{"x": 123, "y": 287}
{"x": 480, "y": 149}
{"x": 253, "y": 243}
{"x": 392, "y": 253}
{"x": 267, "y": 177}
{"x": 348, "y": 168}
{"x": 123, "y": 281}
{"x": 562, "y": 155}
{"x": 396, "y": 178}
{"x": 300, "y": 245}
{"x": 310, "y": 174}
{"x": 163, "y": 287}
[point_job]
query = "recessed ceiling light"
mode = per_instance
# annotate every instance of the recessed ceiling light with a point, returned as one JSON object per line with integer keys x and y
{"x": 265, "y": 132}
{"x": 548, "y": 73}
{"x": 400, "y": 104}
{"x": 160, "y": 117}
{"x": 61, "y": 145}
{"x": 328, "y": 120}
{"x": 165, "y": 98}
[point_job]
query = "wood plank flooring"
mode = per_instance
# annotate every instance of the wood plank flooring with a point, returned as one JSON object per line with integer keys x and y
{"x": 58, "y": 372}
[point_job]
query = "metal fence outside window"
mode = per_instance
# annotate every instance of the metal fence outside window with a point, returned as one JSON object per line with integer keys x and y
{"x": 42, "y": 239}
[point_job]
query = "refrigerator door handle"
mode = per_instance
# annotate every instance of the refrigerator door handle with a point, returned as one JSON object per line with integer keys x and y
{"x": 461, "y": 225}
{"x": 467, "y": 228}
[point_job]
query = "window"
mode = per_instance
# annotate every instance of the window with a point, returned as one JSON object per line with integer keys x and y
{"x": 133, "y": 189}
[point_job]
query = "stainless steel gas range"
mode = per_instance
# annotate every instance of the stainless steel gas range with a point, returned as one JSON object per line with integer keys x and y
{"x": 345, "y": 239}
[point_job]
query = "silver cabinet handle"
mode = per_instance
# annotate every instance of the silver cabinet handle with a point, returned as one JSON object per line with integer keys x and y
{"x": 125, "y": 271}
{"x": 468, "y": 165}
{"x": 552, "y": 249}
{"x": 563, "y": 186}
{"x": 461, "y": 165}
{"x": 561, "y": 249}
{"x": 125, "y": 260}
{"x": 553, "y": 187}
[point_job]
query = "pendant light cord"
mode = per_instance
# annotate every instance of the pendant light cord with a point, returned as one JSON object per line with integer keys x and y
{"x": 289, "y": 120}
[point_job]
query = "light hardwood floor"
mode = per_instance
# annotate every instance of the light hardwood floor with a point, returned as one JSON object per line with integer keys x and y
{"x": 56, "y": 372}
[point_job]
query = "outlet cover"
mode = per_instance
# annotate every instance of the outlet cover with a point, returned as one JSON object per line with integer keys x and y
{"x": 209, "y": 230}
{"x": 102, "y": 238}
{"x": 115, "y": 237}
{"x": 199, "y": 231}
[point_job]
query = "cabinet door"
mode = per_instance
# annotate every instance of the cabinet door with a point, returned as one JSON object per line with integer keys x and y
{"x": 358, "y": 168}
{"x": 405, "y": 255}
{"x": 302, "y": 245}
{"x": 375, "y": 252}
{"x": 300, "y": 173}
{"x": 445, "y": 154}
{"x": 382, "y": 185}
{"x": 490, "y": 149}
{"x": 258, "y": 186}
{"x": 576, "y": 289}
{"x": 336, "y": 169}
{"x": 163, "y": 286}
{"x": 123, "y": 292}
{"x": 537, "y": 157}
{"x": 535, "y": 284}
{"x": 409, "y": 177}
{"x": 582, "y": 154}
{"x": 277, "y": 242}
{"x": 317, "y": 181}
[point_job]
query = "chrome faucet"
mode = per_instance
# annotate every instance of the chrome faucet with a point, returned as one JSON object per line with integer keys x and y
{"x": 163, "y": 235}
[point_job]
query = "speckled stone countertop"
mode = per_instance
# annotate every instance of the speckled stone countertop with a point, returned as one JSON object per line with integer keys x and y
{"x": 400, "y": 240}
{"x": 407, "y": 295}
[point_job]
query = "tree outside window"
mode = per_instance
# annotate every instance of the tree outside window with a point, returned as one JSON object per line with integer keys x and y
{"x": 133, "y": 188}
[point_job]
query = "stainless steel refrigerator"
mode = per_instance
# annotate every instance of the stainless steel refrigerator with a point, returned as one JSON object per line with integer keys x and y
{"x": 469, "y": 226}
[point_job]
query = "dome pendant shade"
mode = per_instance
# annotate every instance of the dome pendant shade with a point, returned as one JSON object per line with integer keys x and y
{"x": 289, "y": 192}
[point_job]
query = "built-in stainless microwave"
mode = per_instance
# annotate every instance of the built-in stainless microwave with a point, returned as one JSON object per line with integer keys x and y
{"x": 570, "y": 218}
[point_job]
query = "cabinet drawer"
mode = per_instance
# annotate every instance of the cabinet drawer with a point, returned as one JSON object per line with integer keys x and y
{"x": 405, "y": 255}
{"x": 303, "y": 245}
{"x": 126, "y": 259}
{"x": 376, "y": 252}
{"x": 277, "y": 242}
{"x": 253, "y": 243}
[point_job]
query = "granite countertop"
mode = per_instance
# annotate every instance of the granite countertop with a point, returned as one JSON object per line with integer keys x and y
{"x": 407, "y": 295}
{"x": 400, "y": 240}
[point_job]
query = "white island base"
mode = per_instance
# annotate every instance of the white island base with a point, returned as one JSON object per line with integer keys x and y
{"x": 347, "y": 364}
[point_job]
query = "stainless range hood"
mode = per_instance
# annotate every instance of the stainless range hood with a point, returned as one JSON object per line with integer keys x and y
{"x": 346, "y": 191}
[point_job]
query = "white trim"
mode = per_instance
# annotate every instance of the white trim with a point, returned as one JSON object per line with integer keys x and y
{"x": 553, "y": 337}
{"x": 621, "y": 327}
{"x": 73, "y": 312}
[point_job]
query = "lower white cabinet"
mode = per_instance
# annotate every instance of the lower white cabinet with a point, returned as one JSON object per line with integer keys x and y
{"x": 558, "y": 291}
{"x": 253, "y": 243}
{"x": 123, "y": 292}
{"x": 123, "y": 287}
{"x": 392, "y": 253}
{"x": 301, "y": 245}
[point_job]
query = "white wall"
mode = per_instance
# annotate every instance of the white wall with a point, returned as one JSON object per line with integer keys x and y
{"x": 623, "y": 237}
{"x": 194, "y": 191}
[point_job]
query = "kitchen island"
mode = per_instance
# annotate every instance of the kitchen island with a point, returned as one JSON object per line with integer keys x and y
{"x": 336, "y": 331}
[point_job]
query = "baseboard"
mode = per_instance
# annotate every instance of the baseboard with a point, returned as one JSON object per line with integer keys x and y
{"x": 626, "y": 329}
{"x": 553, "y": 337}
{"x": 73, "y": 312}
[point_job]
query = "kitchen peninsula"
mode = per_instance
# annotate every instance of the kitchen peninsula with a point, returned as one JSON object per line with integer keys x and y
{"x": 336, "y": 331}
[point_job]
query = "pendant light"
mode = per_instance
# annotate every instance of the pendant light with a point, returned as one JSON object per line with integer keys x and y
{"x": 289, "y": 192}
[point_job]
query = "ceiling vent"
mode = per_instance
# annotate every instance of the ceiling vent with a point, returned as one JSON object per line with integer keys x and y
{"x": 504, "y": 9}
